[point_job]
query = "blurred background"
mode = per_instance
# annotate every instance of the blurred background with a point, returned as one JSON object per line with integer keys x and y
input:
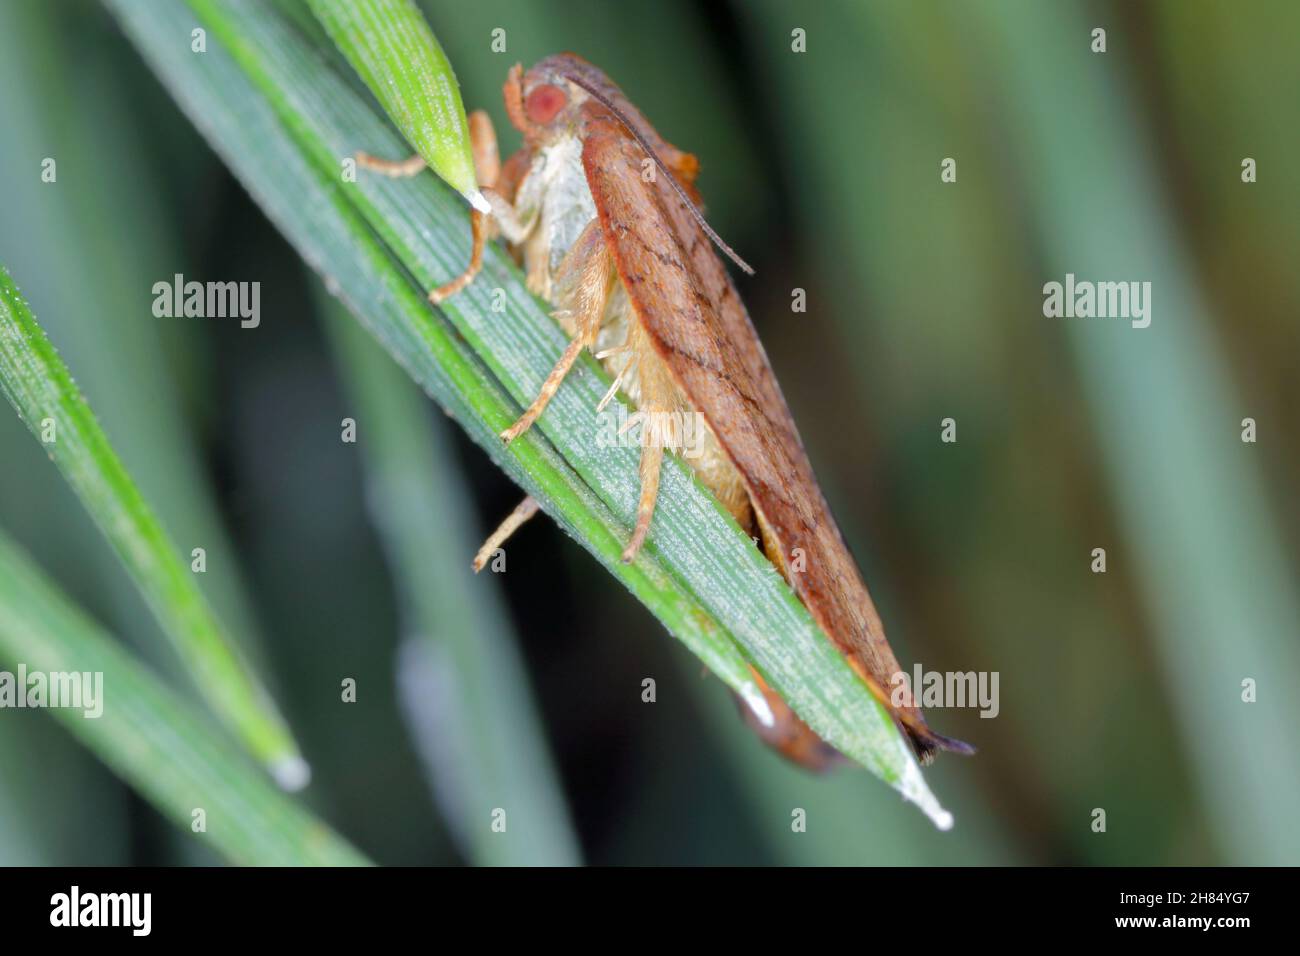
{"x": 1120, "y": 691}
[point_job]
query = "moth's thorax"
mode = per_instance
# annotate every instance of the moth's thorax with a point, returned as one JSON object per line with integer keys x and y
{"x": 555, "y": 187}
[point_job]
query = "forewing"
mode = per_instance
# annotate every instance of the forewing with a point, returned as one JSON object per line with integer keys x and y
{"x": 685, "y": 300}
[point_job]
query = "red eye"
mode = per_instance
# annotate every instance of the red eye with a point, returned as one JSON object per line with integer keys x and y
{"x": 543, "y": 103}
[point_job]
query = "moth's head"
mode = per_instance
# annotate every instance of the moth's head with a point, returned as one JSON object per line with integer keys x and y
{"x": 550, "y": 101}
{"x": 545, "y": 101}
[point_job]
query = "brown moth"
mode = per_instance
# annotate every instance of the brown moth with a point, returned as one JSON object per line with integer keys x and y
{"x": 629, "y": 263}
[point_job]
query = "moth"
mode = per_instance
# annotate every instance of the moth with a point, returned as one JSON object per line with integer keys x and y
{"x": 630, "y": 264}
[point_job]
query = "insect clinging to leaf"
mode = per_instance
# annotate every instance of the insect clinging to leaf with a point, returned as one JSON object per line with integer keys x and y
{"x": 634, "y": 274}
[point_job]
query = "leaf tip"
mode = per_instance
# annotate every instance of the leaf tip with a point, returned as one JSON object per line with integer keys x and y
{"x": 290, "y": 773}
{"x": 914, "y": 788}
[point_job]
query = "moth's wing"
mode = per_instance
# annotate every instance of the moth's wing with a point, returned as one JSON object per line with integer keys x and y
{"x": 699, "y": 328}
{"x": 783, "y": 731}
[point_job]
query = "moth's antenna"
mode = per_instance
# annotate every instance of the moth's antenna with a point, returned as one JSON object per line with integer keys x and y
{"x": 672, "y": 180}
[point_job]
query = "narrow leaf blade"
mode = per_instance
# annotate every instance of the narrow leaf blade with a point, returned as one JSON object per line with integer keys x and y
{"x": 40, "y": 387}
{"x": 154, "y": 741}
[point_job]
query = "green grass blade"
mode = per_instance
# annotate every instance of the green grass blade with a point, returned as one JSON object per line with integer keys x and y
{"x": 153, "y": 740}
{"x": 702, "y": 576}
{"x": 466, "y": 693}
{"x": 40, "y": 387}
{"x": 138, "y": 375}
{"x": 391, "y": 47}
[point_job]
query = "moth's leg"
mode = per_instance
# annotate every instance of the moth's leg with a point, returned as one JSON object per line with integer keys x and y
{"x": 656, "y": 402}
{"x": 652, "y": 456}
{"x": 523, "y": 511}
{"x": 478, "y": 238}
{"x": 586, "y": 274}
{"x": 393, "y": 168}
{"x": 514, "y": 224}
{"x": 515, "y": 210}
{"x": 483, "y": 144}
{"x": 487, "y": 169}
{"x": 401, "y": 168}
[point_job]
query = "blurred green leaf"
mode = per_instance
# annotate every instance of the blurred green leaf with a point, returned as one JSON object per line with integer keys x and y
{"x": 150, "y": 738}
{"x": 1218, "y": 580}
{"x": 40, "y": 388}
{"x": 146, "y": 379}
{"x": 464, "y": 688}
